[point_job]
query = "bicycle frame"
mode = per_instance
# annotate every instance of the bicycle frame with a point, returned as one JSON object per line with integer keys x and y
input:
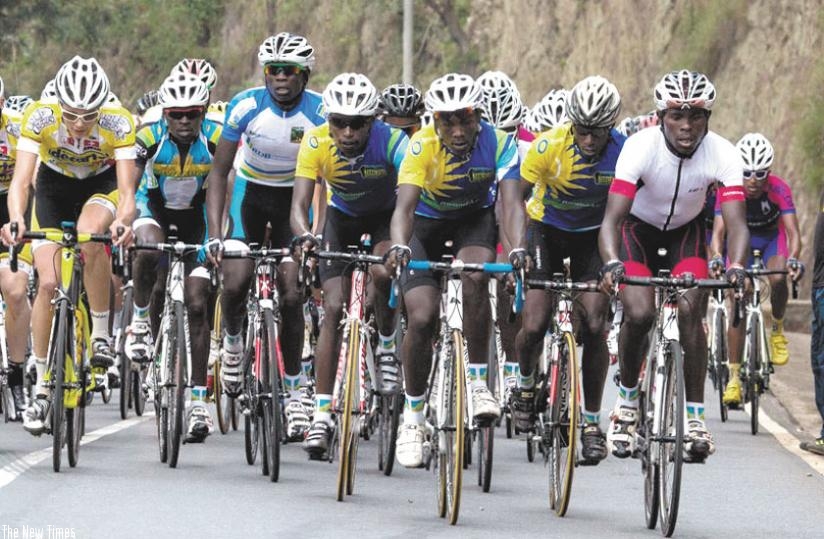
{"x": 759, "y": 374}
{"x": 175, "y": 294}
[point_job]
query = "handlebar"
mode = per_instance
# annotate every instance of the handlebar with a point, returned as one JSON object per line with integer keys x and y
{"x": 563, "y": 285}
{"x": 67, "y": 237}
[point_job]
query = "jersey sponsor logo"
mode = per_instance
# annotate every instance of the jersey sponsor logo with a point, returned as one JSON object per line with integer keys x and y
{"x": 40, "y": 119}
{"x": 313, "y": 142}
{"x": 91, "y": 144}
{"x": 64, "y": 155}
{"x": 117, "y": 124}
{"x": 604, "y": 178}
{"x": 371, "y": 172}
{"x": 4, "y": 150}
{"x": 543, "y": 145}
{"x": 417, "y": 148}
{"x": 13, "y": 129}
{"x": 766, "y": 208}
{"x": 296, "y": 135}
{"x": 480, "y": 174}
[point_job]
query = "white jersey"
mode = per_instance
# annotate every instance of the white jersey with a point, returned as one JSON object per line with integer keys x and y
{"x": 670, "y": 191}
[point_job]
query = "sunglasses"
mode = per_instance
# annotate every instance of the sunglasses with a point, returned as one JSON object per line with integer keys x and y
{"x": 178, "y": 114}
{"x": 289, "y": 70}
{"x": 462, "y": 115}
{"x": 595, "y": 132}
{"x": 353, "y": 122}
{"x": 759, "y": 175}
{"x": 88, "y": 117}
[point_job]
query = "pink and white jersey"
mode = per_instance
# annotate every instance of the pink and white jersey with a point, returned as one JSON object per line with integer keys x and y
{"x": 669, "y": 191}
{"x": 524, "y": 138}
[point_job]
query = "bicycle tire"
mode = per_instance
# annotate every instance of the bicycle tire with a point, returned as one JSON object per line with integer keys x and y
{"x": 178, "y": 391}
{"x": 486, "y": 439}
{"x": 75, "y": 424}
{"x": 388, "y": 421}
{"x": 263, "y": 420}
{"x": 6, "y": 401}
{"x": 566, "y": 417}
{"x": 58, "y": 365}
{"x": 345, "y": 427}
{"x": 223, "y": 411}
{"x": 458, "y": 415}
{"x": 275, "y": 424}
{"x": 754, "y": 369}
{"x": 646, "y": 404}
{"x": 671, "y": 448}
{"x": 251, "y": 435}
{"x": 719, "y": 358}
{"x": 161, "y": 351}
{"x": 138, "y": 379}
{"x": 126, "y": 397}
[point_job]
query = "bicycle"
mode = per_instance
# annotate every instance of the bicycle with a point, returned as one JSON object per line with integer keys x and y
{"x": 68, "y": 377}
{"x": 171, "y": 365}
{"x": 261, "y": 401}
{"x": 558, "y": 398}
{"x": 6, "y": 399}
{"x": 449, "y": 420}
{"x": 756, "y": 365}
{"x": 228, "y": 410}
{"x": 718, "y": 365}
{"x": 660, "y": 433}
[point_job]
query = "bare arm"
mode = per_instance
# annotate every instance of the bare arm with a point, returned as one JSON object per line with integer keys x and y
{"x": 216, "y": 181}
{"x": 404, "y": 214}
{"x": 719, "y": 234}
{"x": 790, "y": 222}
{"x": 609, "y": 237}
{"x": 734, "y": 213}
{"x": 514, "y": 213}
{"x": 19, "y": 192}
{"x": 301, "y": 201}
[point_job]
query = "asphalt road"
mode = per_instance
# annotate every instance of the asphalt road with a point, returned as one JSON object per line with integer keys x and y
{"x": 752, "y": 487}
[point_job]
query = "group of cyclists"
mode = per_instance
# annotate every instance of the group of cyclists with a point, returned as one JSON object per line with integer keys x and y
{"x": 464, "y": 168}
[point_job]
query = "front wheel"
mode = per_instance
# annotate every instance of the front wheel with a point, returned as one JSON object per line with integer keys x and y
{"x": 58, "y": 362}
{"x": 564, "y": 415}
{"x": 671, "y": 446}
{"x": 486, "y": 438}
{"x": 390, "y": 413}
{"x": 275, "y": 424}
{"x": 177, "y": 370}
{"x": 754, "y": 371}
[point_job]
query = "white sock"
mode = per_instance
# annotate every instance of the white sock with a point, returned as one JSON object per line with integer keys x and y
{"x": 100, "y": 325}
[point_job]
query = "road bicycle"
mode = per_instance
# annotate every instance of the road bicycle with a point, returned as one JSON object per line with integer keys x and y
{"x": 226, "y": 406}
{"x": 718, "y": 364}
{"x": 69, "y": 378}
{"x": 558, "y": 409}
{"x": 660, "y": 432}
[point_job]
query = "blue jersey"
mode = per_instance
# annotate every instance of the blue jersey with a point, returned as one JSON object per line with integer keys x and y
{"x": 569, "y": 191}
{"x": 453, "y": 186}
{"x": 270, "y": 135}
{"x": 361, "y": 185}
{"x": 179, "y": 183}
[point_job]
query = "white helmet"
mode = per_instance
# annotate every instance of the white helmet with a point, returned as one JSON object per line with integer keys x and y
{"x": 351, "y": 94}
{"x": 287, "y": 48}
{"x": 2, "y": 87}
{"x": 684, "y": 90}
{"x": 402, "y": 100}
{"x": 454, "y": 92}
{"x": 593, "y": 102}
{"x": 198, "y": 67}
{"x": 503, "y": 107}
{"x": 17, "y": 103}
{"x": 549, "y": 111}
{"x": 183, "y": 90}
{"x": 81, "y": 83}
{"x": 48, "y": 90}
{"x": 756, "y": 152}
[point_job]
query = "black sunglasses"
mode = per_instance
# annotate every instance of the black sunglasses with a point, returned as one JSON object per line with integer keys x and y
{"x": 353, "y": 122}
{"x": 287, "y": 69}
{"x": 179, "y": 114}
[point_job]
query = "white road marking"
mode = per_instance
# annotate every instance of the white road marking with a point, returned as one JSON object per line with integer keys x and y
{"x": 788, "y": 440}
{"x": 16, "y": 468}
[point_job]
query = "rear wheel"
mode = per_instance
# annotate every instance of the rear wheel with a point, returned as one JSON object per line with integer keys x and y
{"x": 565, "y": 418}
{"x": 645, "y": 429}
{"x": 671, "y": 448}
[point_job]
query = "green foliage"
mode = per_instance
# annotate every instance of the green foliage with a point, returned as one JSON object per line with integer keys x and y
{"x": 809, "y": 132}
{"x": 706, "y": 29}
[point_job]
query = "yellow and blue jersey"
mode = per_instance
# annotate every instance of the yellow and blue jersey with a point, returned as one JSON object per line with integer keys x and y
{"x": 453, "y": 186}
{"x": 179, "y": 184}
{"x": 357, "y": 186}
{"x": 569, "y": 191}
{"x": 9, "y": 133}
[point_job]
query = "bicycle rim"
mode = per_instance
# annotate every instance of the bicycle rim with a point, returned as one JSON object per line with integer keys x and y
{"x": 671, "y": 448}
{"x": 753, "y": 383}
{"x": 178, "y": 390}
{"x": 275, "y": 425}
{"x": 160, "y": 397}
{"x": 251, "y": 436}
{"x": 719, "y": 358}
{"x": 391, "y": 407}
{"x": 221, "y": 400}
{"x": 345, "y": 422}
{"x": 125, "y": 365}
{"x": 568, "y": 426}
{"x": 58, "y": 363}
{"x": 75, "y": 423}
{"x": 457, "y": 413}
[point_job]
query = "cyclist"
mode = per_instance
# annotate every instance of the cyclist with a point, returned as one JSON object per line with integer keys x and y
{"x": 774, "y": 231}
{"x": 358, "y": 157}
{"x": 568, "y": 172}
{"x": 87, "y": 152}
{"x": 675, "y": 164}
{"x": 198, "y": 67}
{"x": 401, "y": 106}
{"x": 271, "y": 120}
{"x": 13, "y": 286}
{"x": 174, "y": 156}
{"x": 547, "y": 113}
{"x": 447, "y": 187}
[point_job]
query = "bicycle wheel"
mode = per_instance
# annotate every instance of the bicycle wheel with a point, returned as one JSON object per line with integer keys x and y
{"x": 347, "y": 396}
{"x": 718, "y": 358}
{"x": 388, "y": 420}
{"x": 223, "y": 411}
{"x": 485, "y": 438}
{"x": 565, "y": 418}
{"x": 275, "y": 421}
{"x": 671, "y": 446}
{"x": 74, "y": 423}
{"x": 452, "y": 452}
{"x": 753, "y": 370}
{"x": 649, "y": 466}
{"x": 251, "y": 435}
{"x": 137, "y": 379}
{"x": 126, "y": 397}
{"x": 57, "y": 361}
{"x": 161, "y": 390}
{"x": 178, "y": 390}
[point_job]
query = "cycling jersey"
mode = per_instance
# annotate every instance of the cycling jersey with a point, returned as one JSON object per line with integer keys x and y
{"x": 764, "y": 212}
{"x": 112, "y": 138}
{"x": 453, "y": 186}
{"x": 669, "y": 191}
{"x": 569, "y": 192}
{"x": 361, "y": 185}
{"x": 524, "y": 138}
{"x": 9, "y": 133}
{"x": 179, "y": 184}
{"x": 271, "y": 136}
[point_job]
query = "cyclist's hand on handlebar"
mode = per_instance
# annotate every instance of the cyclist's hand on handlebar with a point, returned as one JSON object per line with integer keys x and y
{"x": 716, "y": 266}
{"x": 737, "y": 276}
{"x": 306, "y": 243}
{"x": 214, "y": 251}
{"x": 796, "y": 269}
{"x": 122, "y": 235}
{"x": 397, "y": 257}
{"x": 6, "y": 235}
{"x": 520, "y": 259}
{"x": 610, "y": 275}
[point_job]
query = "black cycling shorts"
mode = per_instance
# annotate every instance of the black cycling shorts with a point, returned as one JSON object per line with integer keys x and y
{"x": 686, "y": 249}
{"x": 549, "y": 246}
{"x": 253, "y": 206}
{"x": 341, "y": 230}
{"x": 59, "y": 198}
